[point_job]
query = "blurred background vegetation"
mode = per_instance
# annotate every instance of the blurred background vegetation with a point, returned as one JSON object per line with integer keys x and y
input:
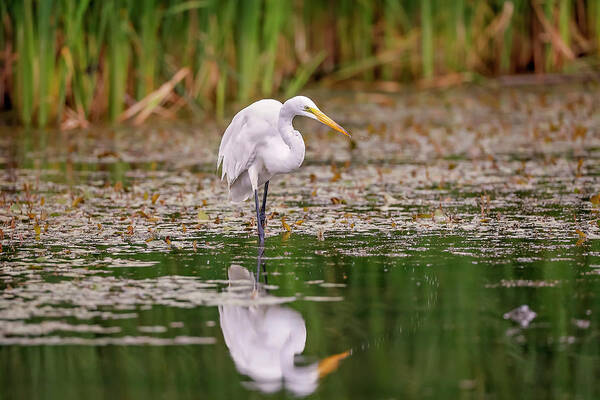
{"x": 68, "y": 63}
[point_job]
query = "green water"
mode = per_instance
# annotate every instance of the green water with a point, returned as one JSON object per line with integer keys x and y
{"x": 448, "y": 252}
{"x": 427, "y": 324}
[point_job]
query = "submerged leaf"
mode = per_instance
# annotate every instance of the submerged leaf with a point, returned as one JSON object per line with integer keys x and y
{"x": 285, "y": 225}
{"x": 202, "y": 216}
{"x": 76, "y": 201}
{"x": 582, "y": 237}
{"x": 422, "y": 216}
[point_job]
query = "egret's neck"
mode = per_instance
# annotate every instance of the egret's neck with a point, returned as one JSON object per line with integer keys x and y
{"x": 292, "y": 138}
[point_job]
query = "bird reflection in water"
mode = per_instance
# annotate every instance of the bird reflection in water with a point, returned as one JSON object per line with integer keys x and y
{"x": 264, "y": 339}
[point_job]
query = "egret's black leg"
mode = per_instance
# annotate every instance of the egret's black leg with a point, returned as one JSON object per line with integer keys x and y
{"x": 263, "y": 217}
{"x": 261, "y": 231}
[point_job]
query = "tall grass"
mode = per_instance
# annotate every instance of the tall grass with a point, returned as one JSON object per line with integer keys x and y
{"x": 72, "y": 62}
{"x": 427, "y": 38}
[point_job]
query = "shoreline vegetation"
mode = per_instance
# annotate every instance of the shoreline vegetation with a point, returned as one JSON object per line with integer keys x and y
{"x": 71, "y": 63}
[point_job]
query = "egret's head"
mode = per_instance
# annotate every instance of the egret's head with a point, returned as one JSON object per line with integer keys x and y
{"x": 307, "y": 108}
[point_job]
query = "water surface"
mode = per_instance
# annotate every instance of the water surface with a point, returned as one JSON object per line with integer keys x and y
{"x": 451, "y": 249}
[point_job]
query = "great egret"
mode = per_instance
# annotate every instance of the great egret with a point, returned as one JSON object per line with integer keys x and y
{"x": 261, "y": 142}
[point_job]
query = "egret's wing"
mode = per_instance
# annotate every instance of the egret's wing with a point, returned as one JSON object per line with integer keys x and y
{"x": 234, "y": 127}
{"x": 249, "y": 129}
{"x": 234, "y": 151}
{"x": 240, "y": 150}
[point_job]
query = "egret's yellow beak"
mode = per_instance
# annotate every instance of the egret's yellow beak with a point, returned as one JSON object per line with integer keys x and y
{"x": 327, "y": 121}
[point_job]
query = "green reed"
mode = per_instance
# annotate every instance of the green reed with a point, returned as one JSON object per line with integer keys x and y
{"x": 427, "y": 39}
{"x": 594, "y": 21}
{"x": 564, "y": 20}
{"x": 548, "y": 12}
{"x": 25, "y": 48}
{"x": 146, "y": 46}
{"x": 93, "y": 60}
{"x": 119, "y": 49}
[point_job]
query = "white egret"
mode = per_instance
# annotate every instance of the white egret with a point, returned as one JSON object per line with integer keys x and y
{"x": 261, "y": 142}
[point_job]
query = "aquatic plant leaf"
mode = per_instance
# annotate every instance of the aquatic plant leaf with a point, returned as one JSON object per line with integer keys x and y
{"x": 285, "y": 224}
{"x": 202, "y": 216}
{"x": 76, "y": 201}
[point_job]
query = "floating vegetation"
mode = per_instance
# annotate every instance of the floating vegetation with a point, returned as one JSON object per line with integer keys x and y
{"x": 498, "y": 183}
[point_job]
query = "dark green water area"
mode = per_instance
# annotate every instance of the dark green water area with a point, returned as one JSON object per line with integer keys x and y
{"x": 449, "y": 250}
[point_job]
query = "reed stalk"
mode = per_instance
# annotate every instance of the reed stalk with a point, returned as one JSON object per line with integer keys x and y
{"x": 593, "y": 22}
{"x": 427, "y": 39}
{"x": 550, "y": 56}
{"x": 46, "y": 50}
{"x": 396, "y": 24}
{"x": 118, "y": 58}
{"x": 147, "y": 49}
{"x": 507, "y": 39}
{"x": 25, "y": 47}
{"x": 248, "y": 52}
{"x": 564, "y": 19}
{"x": 275, "y": 11}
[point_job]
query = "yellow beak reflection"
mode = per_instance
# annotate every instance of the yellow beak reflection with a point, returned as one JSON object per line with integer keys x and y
{"x": 328, "y": 121}
{"x": 331, "y": 363}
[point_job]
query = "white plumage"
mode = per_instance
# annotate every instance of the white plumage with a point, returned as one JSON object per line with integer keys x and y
{"x": 261, "y": 142}
{"x": 252, "y": 131}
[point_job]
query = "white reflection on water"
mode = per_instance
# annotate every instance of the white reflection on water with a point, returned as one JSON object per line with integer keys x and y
{"x": 264, "y": 339}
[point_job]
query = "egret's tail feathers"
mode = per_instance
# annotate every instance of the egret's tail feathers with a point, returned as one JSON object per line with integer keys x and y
{"x": 241, "y": 188}
{"x": 219, "y": 164}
